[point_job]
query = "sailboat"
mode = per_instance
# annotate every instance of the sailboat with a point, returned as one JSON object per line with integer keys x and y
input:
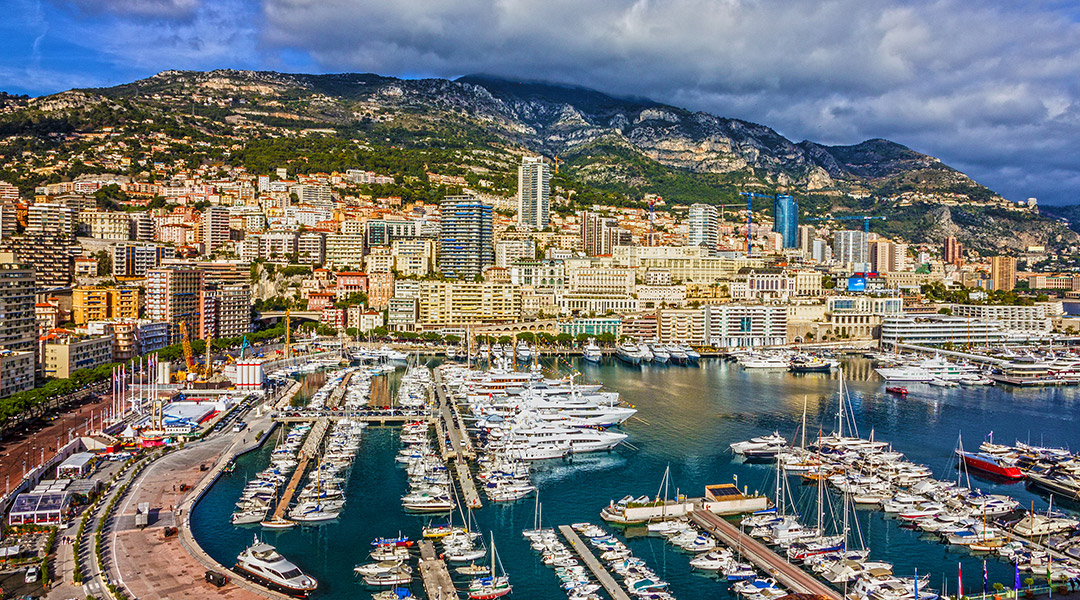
{"x": 492, "y": 586}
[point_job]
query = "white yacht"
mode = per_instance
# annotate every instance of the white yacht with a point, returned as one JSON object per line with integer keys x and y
{"x": 524, "y": 352}
{"x": 261, "y": 562}
{"x": 629, "y": 353}
{"x": 926, "y": 371}
{"x": 592, "y": 352}
{"x": 580, "y": 440}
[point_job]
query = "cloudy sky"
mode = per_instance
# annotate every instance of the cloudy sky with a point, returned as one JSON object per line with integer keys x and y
{"x": 992, "y": 87}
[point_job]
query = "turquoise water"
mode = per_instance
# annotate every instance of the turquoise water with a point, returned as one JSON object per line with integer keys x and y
{"x": 686, "y": 419}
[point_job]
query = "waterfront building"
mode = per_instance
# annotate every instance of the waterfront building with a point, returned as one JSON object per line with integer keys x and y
{"x": 1003, "y": 273}
{"x": 65, "y": 354}
{"x": 19, "y": 330}
{"x": 131, "y": 337}
{"x": 681, "y": 326}
{"x": 936, "y": 330}
{"x": 786, "y": 220}
{"x": 460, "y": 303}
{"x": 534, "y": 193}
{"x": 1012, "y": 318}
{"x": 703, "y": 226}
{"x": 859, "y": 317}
{"x": 233, "y": 310}
{"x": 850, "y": 247}
{"x": 642, "y": 327}
{"x": 744, "y": 326}
{"x": 402, "y": 313}
{"x": 466, "y": 246}
{"x": 591, "y": 326}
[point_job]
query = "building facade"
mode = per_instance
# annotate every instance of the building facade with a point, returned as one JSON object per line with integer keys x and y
{"x": 786, "y": 220}
{"x": 703, "y": 225}
{"x": 466, "y": 245}
{"x": 534, "y": 193}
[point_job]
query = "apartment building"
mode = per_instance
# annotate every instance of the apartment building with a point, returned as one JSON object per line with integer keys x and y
{"x": 131, "y": 337}
{"x": 456, "y": 304}
{"x": 17, "y": 370}
{"x": 51, "y": 218}
{"x": 466, "y": 246}
{"x": 936, "y": 330}
{"x": 133, "y": 260}
{"x": 50, "y": 255}
{"x": 414, "y": 257}
{"x": 344, "y": 250}
{"x": 19, "y": 330}
{"x": 63, "y": 355}
{"x": 96, "y": 303}
{"x": 1012, "y": 318}
{"x": 173, "y": 296}
{"x": 105, "y": 225}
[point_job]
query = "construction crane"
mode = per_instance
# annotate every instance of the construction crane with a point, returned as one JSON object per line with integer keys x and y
{"x": 208, "y": 368}
{"x": 288, "y": 344}
{"x": 864, "y": 218}
{"x": 557, "y": 161}
{"x": 749, "y": 214}
{"x": 189, "y": 356}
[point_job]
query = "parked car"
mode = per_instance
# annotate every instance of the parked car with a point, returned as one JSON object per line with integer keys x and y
{"x": 32, "y": 574}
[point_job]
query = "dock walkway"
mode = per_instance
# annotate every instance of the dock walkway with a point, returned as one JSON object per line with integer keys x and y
{"x": 791, "y": 577}
{"x": 608, "y": 582}
{"x": 460, "y": 445}
{"x": 433, "y": 572}
{"x": 307, "y": 453}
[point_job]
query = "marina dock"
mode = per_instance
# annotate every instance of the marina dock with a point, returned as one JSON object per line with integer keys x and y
{"x": 786, "y": 574}
{"x": 307, "y": 453}
{"x": 433, "y": 572}
{"x": 608, "y": 582}
{"x": 460, "y": 445}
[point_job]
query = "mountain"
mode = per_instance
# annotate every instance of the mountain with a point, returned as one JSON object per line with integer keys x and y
{"x": 617, "y": 149}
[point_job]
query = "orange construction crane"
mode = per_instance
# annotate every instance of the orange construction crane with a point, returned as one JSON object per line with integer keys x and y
{"x": 189, "y": 356}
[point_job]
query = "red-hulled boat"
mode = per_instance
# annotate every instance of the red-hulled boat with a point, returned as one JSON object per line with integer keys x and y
{"x": 990, "y": 464}
{"x": 896, "y": 389}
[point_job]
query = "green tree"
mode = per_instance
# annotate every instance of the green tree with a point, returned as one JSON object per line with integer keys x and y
{"x": 104, "y": 263}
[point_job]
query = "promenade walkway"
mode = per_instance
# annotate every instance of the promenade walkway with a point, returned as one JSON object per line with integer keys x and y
{"x": 433, "y": 572}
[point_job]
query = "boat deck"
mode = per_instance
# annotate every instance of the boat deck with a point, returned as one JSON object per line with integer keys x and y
{"x": 791, "y": 577}
{"x": 608, "y": 582}
{"x": 434, "y": 574}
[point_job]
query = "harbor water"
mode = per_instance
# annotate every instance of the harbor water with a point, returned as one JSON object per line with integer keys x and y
{"x": 686, "y": 418}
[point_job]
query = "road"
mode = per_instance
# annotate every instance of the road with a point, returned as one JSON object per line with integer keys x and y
{"x": 27, "y": 447}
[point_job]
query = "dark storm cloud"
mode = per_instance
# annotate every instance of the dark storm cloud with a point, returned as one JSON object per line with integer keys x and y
{"x": 990, "y": 86}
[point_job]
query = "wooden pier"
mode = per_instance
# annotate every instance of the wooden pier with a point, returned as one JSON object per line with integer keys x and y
{"x": 433, "y": 572}
{"x": 608, "y": 582}
{"x": 460, "y": 446}
{"x": 307, "y": 453}
{"x": 791, "y": 577}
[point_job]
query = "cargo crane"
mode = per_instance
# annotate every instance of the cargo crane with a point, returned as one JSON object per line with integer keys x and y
{"x": 864, "y": 218}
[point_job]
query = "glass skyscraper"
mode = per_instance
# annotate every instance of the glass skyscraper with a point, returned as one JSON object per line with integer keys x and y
{"x": 466, "y": 244}
{"x": 786, "y": 219}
